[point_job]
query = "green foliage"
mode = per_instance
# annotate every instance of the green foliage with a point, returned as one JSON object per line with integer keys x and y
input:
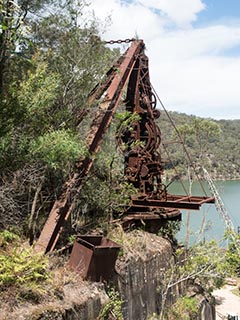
{"x": 21, "y": 267}
{"x": 49, "y": 62}
{"x": 125, "y": 124}
{"x": 112, "y": 195}
{"x": 32, "y": 101}
{"x": 186, "y": 308}
{"x": 203, "y": 131}
{"x": 205, "y": 263}
{"x": 37, "y": 94}
{"x": 232, "y": 263}
{"x": 205, "y": 140}
{"x": 7, "y": 237}
{"x": 126, "y": 119}
{"x": 15, "y": 21}
{"x": 106, "y": 199}
{"x": 58, "y": 149}
{"x": 170, "y": 229}
{"x": 74, "y": 50}
{"x": 112, "y": 309}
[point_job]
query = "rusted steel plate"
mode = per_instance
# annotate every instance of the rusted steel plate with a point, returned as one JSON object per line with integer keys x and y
{"x": 197, "y": 199}
{"x": 178, "y": 202}
{"x": 94, "y": 257}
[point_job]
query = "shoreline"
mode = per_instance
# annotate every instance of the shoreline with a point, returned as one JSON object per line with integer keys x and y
{"x": 185, "y": 179}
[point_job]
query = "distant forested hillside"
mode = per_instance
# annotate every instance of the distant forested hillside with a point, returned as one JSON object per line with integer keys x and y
{"x": 214, "y": 144}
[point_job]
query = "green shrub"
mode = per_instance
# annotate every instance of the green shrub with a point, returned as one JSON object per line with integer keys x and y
{"x": 186, "y": 308}
{"x": 7, "y": 237}
{"x": 113, "y": 308}
{"x": 58, "y": 148}
{"x": 22, "y": 267}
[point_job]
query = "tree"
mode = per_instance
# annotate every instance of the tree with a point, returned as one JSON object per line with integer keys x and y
{"x": 204, "y": 266}
{"x": 14, "y": 41}
{"x": 52, "y": 60}
{"x": 201, "y": 137}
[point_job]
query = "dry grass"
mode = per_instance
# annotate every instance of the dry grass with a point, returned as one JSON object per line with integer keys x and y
{"x": 138, "y": 244}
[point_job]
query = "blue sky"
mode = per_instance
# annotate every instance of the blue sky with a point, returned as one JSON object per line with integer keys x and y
{"x": 225, "y": 12}
{"x": 219, "y": 10}
{"x": 193, "y": 48}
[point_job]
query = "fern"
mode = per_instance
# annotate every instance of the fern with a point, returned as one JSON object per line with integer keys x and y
{"x": 22, "y": 267}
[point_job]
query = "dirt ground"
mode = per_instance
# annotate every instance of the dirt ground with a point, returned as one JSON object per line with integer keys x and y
{"x": 226, "y": 302}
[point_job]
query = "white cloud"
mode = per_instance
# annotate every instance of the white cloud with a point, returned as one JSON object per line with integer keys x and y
{"x": 206, "y": 87}
{"x": 192, "y": 74}
{"x": 186, "y": 44}
{"x": 128, "y": 19}
{"x": 181, "y": 14}
{"x": 188, "y": 66}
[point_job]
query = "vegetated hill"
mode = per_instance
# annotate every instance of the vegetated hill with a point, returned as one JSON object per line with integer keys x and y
{"x": 218, "y": 151}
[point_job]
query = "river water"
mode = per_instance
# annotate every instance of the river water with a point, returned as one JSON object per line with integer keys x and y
{"x": 206, "y": 223}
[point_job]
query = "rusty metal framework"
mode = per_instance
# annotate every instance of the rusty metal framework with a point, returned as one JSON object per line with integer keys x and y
{"x": 140, "y": 142}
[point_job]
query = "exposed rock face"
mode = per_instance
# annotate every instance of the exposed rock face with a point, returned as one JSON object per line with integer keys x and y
{"x": 140, "y": 275}
{"x": 207, "y": 310}
{"x": 142, "y": 280}
{"x": 83, "y": 301}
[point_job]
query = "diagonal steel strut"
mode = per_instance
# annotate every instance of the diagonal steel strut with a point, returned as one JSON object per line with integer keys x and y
{"x": 113, "y": 88}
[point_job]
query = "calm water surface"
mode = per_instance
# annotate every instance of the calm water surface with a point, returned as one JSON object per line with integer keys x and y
{"x": 207, "y": 223}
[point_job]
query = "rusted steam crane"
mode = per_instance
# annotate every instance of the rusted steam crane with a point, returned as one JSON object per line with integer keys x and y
{"x": 143, "y": 167}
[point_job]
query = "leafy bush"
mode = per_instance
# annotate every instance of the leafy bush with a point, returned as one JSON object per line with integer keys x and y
{"x": 58, "y": 148}
{"x": 185, "y": 308}
{"x": 112, "y": 310}
{"x": 232, "y": 260}
{"x": 7, "y": 237}
{"x": 38, "y": 92}
{"x": 21, "y": 267}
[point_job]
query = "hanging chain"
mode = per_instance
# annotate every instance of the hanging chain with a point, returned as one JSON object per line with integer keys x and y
{"x": 120, "y": 41}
